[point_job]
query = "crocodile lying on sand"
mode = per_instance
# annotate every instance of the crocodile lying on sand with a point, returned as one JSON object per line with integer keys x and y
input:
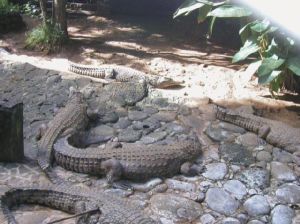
{"x": 122, "y": 74}
{"x": 107, "y": 208}
{"x": 70, "y": 119}
{"x": 274, "y": 132}
{"x": 129, "y": 160}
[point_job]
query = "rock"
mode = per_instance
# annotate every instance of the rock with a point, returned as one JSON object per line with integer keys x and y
{"x": 257, "y": 205}
{"x": 243, "y": 218}
{"x": 103, "y": 131}
{"x": 165, "y": 116}
{"x": 230, "y": 220}
{"x": 129, "y": 135}
{"x": 250, "y": 140}
{"x": 217, "y": 134}
{"x": 53, "y": 80}
{"x": 184, "y": 110}
{"x": 221, "y": 201}
{"x": 236, "y": 188}
{"x": 150, "y": 110}
{"x": 282, "y": 156}
{"x": 175, "y": 208}
{"x": 255, "y": 222}
{"x": 110, "y": 117}
{"x": 296, "y": 158}
{"x": 282, "y": 214}
{"x": 174, "y": 128}
{"x": 232, "y": 127}
{"x": 282, "y": 172}
{"x": 288, "y": 193}
{"x": 191, "y": 121}
{"x": 147, "y": 125}
{"x": 236, "y": 154}
{"x": 207, "y": 219}
{"x": 136, "y": 115}
{"x": 215, "y": 171}
{"x": 255, "y": 177}
{"x": 264, "y": 156}
{"x": 122, "y": 123}
{"x": 154, "y": 137}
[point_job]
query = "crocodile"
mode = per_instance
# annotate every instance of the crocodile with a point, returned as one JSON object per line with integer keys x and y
{"x": 74, "y": 199}
{"x": 128, "y": 160}
{"x": 70, "y": 119}
{"x": 122, "y": 74}
{"x": 274, "y": 132}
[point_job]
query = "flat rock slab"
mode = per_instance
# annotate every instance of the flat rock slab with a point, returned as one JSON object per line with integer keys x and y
{"x": 289, "y": 193}
{"x": 236, "y": 154}
{"x": 236, "y": 188}
{"x": 281, "y": 171}
{"x": 221, "y": 201}
{"x": 165, "y": 116}
{"x": 136, "y": 115}
{"x": 255, "y": 177}
{"x": 282, "y": 214}
{"x": 175, "y": 208}
{"x": 257, "y": 205}
{"x": 215, "y": 171}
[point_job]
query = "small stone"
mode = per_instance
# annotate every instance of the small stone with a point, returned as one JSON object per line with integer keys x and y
{"x": 255, "y": 222}
{"x": 102, "y": 130}
{"x": 255, "y": 177}
{"x": 264, "y": 156}
{"x": 236, "y": 188}
{"x": 136, "y": 115}
{"x": 122, "y": 123}
{"x": 282, "y": 172}
{"x": 243, "y": 218}
{"x": 252, "y": 192}
{"x": 232, "y": 127}
{"x": 215, "y": 171}
{"x": 175, "y": 208}
{"x": 282, "y": 214}
{"x": 191, "y": 121}
{"x": 129, "y": 135}
{"x": 257, "y": 205}
{"x": 288, "y": 193}
{"x": 184, "y": 110}
{"x": 236, "y": 154}
{"x": 296, "y": 158}
{"x": 110, "y": 117}
{"x": 180, "y": 185}
{"x": 174, "y": 128}
{"x": 221, "y": 201}
{"x": 154, "y": 137}
{"x": 217, "y": 134}
{"x": 250, "y": 140}
{"x": 207, "y": 219}
{"x": 230, "y": 220}
{"x": 147, "y": 125}
{"x": 165, "y": 116}
{"x": 53, "y": 80}
{"x": 150, "y": 110}
{"x": 282, "y": 156}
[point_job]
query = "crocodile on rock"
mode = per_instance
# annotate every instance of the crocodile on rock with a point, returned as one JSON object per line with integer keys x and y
{"x": 274, "y": 132}
{"x": 71, "y": 199}
{"x": 70, "y": 119}
{"x": 129, "y": 160}
{"x": 122, "y": 74}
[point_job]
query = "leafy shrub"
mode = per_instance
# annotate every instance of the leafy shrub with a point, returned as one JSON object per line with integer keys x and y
{"x": 7, "y": 7}
{"x": 277, "y": 58}
{"x": 31, "y": 8}
{"x": 47, "y": 37}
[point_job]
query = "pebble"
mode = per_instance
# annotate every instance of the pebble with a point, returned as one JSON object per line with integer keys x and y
{"x": 236, "y": 154}
{"x": 257, "y": 205}
{"x": 288, "y": 193}
{"x": 110, "y": 117}
{"x": 103, "y": 130}
{"x": 231, "y": 127}
{"x": 122, "y": 123}
{"x": 250, "y": 140}
{"x": 255, "y": 222}
{"x": 154, "y": 137}
{"x": 175, "y": 208}
{"x": 165, "y": 116}
{"x": 282, "y": 172}
{"x": 207, "y": 219}
{"x": 174, "y": 128}
{"x": 129, "y": 135}
{"x": 255, "y": 177}
{"x": 282, "y": 214}
{"x": 264, "y": 156}
{"x": 236, "y": 188}
{"x": 221, "y": 201}
{"x": 215, "y": 171}
{"x": 230, "y": 220}
{"x": 150, "y": 110}
{"x": 136, "y": 115}
{"x": 217, "y": 134}
{"x": 282, "y": 156}
{"x": 180, "y": 185}
{"x": 147, "y": 125}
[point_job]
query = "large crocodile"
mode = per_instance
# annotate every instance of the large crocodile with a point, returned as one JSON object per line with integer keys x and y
{"x": 72, "y": 199}
{"x": 70, "y": 119}
{"x": 122, "y": 74}
{"x": 275, "y": 132}
{"x": 129, "y": 160}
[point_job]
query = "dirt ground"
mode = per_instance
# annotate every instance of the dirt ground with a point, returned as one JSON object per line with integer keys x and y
{"x": 158, "y": 46}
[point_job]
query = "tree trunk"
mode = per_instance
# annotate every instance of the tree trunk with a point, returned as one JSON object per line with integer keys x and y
{"x": 11, "y": 134}
{"x": 43, "y": 5}
{"x": 60, "y": 17}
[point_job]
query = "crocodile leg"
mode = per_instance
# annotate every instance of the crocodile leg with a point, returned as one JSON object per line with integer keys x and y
{"x": 113, "y": 169}
{"x": 190, "y": 169}
{"x": 90, "y": 218}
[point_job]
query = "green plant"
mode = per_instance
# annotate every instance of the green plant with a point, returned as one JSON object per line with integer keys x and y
{"x": 277, "y": 58}
{"x": 7, "y": 7}
{"x": 47, "y": 37}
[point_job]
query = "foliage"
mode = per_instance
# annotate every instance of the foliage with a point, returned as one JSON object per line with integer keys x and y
{"x": 7, "y": 7}
{"x": 47, "y": 37}
{"x": 275, "y": 51}
{"x": 31, "y": 8}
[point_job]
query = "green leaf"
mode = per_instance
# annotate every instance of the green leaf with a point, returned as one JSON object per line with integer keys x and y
{"x": 187, "y": 7}
{"x": 229, "y": 11}
{"x": 249, "y": 47}
{"x": 260, "y": 27}
{"x": 268, "y": 65}
{"x": 245, "y": 31}
{"x": 269, "y": 77}
{"x": 276, "y": 84}
{"x": 210, "y": 28}
{"x": 294, "y": 65}
{"x": 203, "y": 11}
